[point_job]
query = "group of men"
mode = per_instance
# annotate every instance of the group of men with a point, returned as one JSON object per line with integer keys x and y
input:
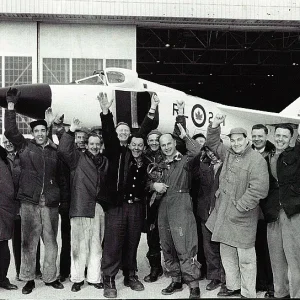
{"x": 237, "y": 204}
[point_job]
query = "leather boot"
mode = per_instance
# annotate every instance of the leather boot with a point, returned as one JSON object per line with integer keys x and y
{"x": 156, "y": 268}
{"x": 110, "y": 290}
{"x": 133, "y": 282}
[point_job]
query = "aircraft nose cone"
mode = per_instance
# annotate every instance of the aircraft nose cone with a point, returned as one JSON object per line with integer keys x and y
{"x": 33, "y": 101}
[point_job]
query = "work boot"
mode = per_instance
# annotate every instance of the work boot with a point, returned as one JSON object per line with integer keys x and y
{"x": 110, "y": 290}
{"x": 172, "y": 288}
{"x": 214, "y": 284}
{"x": 133, "y": 282}
{"x": 156, "y": 268}
{"x": 28, "y": 287}
{"x": 194, "y": 293}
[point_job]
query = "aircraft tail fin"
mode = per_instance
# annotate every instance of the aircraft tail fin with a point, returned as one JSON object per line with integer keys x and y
{"x": 292, "y": 110}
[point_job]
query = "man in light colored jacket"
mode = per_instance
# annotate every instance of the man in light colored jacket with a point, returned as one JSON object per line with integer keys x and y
{"x": 233, "y": 222}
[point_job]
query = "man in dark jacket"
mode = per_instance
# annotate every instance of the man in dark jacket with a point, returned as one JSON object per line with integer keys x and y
{"x": 281, "y": 209}
{"x": 39, "y": 194}
{"x": 206, "y": 168}
{"x": 127, "y": 179}
{"x": 264, "y": 278}
{"x": 88, "y": 189}
{"x": 154, "y": 155}
{"x": 176, "y": 221}
{"x": 7, "y": 216}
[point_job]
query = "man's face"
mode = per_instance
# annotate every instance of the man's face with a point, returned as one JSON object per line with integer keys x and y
{"x": 259, "y": 138}
{"x": 123, "y": 132}
{"x": 153, "y": 141}
{"x": 136, "y": 146}
{"x": 9, "y": 147}
{"x": 167, "y": 145}
{"x": 201, "y": 141}
{"x": 282, "y": 138}
{"x": 80, "y": 139}
{"x": 238, "y": 142}
{"x": 39, "y": 133}
{"x": 94, "y": 145}
{"x": 211, "y": 155}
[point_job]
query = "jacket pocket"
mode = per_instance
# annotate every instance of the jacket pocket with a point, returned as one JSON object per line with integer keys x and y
{"x": 239, "y": 218}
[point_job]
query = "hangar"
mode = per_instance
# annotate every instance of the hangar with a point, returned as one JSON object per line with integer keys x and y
{"x": 240, "y": 53}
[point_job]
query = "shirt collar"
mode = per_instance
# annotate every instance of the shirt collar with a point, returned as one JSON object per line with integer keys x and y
{"x": 177, "y": 157}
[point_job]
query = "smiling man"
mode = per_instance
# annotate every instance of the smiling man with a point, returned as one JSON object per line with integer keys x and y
{"x": 39, "y": 194}
{"x": 264, "y": 280}
{"x": 244, "y": 180}
{"x": 127, "y": 177}
{"x": 281, "y": 209}
{"x": 88, "y": 177}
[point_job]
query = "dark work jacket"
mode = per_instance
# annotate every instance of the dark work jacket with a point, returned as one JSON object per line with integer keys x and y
{"x": 119, "y": 157}
{"x": 40, "y": 167}
{"x": 88, "y": 181}
{"x": 285, "y": 192}
{"x": 7, "y": 203}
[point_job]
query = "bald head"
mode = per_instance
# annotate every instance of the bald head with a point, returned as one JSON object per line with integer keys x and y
{"x": 167, "y": 145}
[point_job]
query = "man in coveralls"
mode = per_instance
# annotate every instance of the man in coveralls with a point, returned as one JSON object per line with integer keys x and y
{"x": 176, "y": 221}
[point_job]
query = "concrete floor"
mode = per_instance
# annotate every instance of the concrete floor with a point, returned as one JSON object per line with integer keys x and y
{"x": 152, "y": 290}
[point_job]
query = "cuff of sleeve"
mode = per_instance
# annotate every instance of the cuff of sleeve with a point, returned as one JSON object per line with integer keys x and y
{"x": 71, "y": 133}
{"x": 241, "y": 207}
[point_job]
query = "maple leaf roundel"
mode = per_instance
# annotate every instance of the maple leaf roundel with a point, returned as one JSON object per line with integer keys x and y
{"x": 198, "y": 115}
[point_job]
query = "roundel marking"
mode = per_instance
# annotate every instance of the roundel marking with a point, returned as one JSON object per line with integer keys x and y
{"x": 198, "y": 115}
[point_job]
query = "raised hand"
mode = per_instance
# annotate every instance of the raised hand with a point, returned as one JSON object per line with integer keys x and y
{"x": 12, "y": 95}
{"x": 105, "y": 104}
{"x": 154, "y": 101}
{"x": 180, "y": 106}
{"x": 183, "y": 133}
{"x": 49, "y": 117}
{"x": 75, "y": 124}
{"x": 218, "y": 119}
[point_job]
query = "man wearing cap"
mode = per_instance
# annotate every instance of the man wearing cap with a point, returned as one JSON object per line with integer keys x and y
{"x": 244, "y": 180}
{"x": 264, "y": 279}
{"x": 200, "y": 138}
{"x": 154, "y": 155}
{"x": 39, "y": 194}
{"x": 125, "y": 211}
{"x": 281, "y": 210}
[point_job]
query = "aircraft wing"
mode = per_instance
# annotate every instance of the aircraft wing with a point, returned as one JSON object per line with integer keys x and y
{"x": 256, "y": 116}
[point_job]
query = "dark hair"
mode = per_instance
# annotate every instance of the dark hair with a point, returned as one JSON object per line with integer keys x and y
{"x": 285, "y": 126}
{"x": 93, "y": 135}
{"x": 136, "y": 135}
{"x": 260, "y": 126}
{"x": 198, "y": 135}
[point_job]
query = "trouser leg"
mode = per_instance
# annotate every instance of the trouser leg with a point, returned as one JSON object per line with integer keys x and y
{"x": 49, "y": 237}
{"x": 65, "y": 253}
{"x": 16, "y": 244}
{"x": 184, "y": 235}
{"x": 278, "y": 259}
{"x": 4, "y": 261}
{"x": 201, "y": 251}
{"x": 169, "y": 252}
{"x": 133, "y": 234}
{"x": 31, "y": 229}
{"x": 230, "y": 261}
{"x": 80, "y": 236}
{"x": 247, "y": 265}
{"x": 291, "y": 246}
{"x": 114, "y": 234}
{"x": 95, "y": 255}
{"x": 215, "y": 268}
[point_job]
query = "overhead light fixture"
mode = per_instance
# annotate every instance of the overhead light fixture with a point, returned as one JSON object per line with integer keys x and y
{"x": 167, "y": 45}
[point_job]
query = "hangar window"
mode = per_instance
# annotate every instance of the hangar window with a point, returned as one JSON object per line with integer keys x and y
{"x": 56, "y": 70}
{"x": 119, "y": 63}
{"x": 84, "y": 67}
{"x": 18, "y": 70}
